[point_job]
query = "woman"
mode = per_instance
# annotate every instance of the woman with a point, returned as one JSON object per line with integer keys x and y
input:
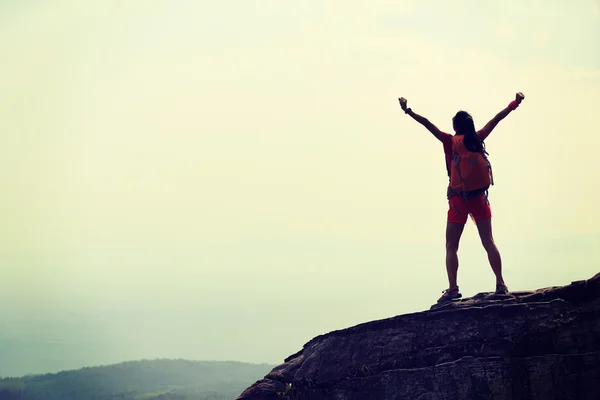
{"x": 470, "y": 176}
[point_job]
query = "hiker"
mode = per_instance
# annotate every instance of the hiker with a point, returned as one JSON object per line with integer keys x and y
{"x": 470, "y": 175}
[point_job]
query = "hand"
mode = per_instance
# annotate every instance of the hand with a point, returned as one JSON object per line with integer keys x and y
{"x": 519, "y": 97}
{"x": 402, "y": 101}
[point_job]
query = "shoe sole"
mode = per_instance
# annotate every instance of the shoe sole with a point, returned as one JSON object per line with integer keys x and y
{"x": 458, "y": 296}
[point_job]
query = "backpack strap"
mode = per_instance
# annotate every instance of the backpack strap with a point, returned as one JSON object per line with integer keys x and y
{"x": 489, "y": 164}
{"x": 465, "y": 195}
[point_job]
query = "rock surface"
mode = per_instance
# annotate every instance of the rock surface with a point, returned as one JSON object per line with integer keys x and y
{"x": 542, "y": 344}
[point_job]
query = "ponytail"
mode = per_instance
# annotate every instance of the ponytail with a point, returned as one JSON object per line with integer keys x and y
{"x": 463, "y": 125}
{"x": 474, "y": 143}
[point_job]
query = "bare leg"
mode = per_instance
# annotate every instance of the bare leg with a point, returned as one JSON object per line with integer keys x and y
{"x": 485, "y": 233}
{"x": 453, "y": 234}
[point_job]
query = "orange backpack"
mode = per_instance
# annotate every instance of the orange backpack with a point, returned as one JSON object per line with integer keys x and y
{"x": 470, "y": 172}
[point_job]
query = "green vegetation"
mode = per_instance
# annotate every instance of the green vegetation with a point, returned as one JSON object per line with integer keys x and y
{"x": 139, "y": 380}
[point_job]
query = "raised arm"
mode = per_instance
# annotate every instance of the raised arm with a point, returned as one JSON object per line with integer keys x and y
{"x": 489, "y": 127}
{"x": 422, "y": 120}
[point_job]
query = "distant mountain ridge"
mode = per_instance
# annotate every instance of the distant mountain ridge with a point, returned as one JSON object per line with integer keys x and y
{"x": 164, "y": 379}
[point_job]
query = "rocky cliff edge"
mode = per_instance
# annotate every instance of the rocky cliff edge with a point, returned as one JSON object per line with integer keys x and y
{"x": 540, "y": 344}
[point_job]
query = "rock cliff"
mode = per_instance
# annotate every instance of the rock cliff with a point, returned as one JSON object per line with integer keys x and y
{"x": 541, "y": 344}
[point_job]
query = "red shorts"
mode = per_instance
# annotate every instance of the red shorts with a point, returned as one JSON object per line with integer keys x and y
{"x": 476, "y": 206}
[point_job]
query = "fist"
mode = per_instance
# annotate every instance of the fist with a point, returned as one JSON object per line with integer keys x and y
{"x": 402, "y": 101}
{"x": 519, "y": 97}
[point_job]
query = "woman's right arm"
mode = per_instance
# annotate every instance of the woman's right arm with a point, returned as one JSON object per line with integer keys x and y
{"x": 489, "y": 127}
{"x": 420, "y": 119}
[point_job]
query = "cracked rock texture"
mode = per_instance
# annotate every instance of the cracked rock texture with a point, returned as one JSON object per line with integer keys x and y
{"x": 542, "y": 344}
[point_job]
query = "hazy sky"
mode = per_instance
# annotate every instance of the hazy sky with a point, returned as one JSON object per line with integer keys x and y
{"x": 228, "y": 179}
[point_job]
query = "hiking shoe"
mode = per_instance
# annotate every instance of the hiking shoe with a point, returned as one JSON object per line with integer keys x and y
{"x": 501, "y": 288}
{"x": 450, "y": 294}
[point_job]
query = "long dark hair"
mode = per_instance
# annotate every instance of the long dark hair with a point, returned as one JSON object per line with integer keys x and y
{"x": 464, "y": 125}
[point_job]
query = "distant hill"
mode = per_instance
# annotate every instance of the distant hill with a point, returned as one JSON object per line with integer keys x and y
{"x": 139, "y": 380}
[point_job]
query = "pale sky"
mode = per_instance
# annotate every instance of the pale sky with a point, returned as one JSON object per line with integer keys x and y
{"x": 227, "y": 180}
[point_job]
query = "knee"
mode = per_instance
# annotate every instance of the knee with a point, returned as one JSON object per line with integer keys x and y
{"x": 488, "y": 243}
{"x": 451, "y": 247}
